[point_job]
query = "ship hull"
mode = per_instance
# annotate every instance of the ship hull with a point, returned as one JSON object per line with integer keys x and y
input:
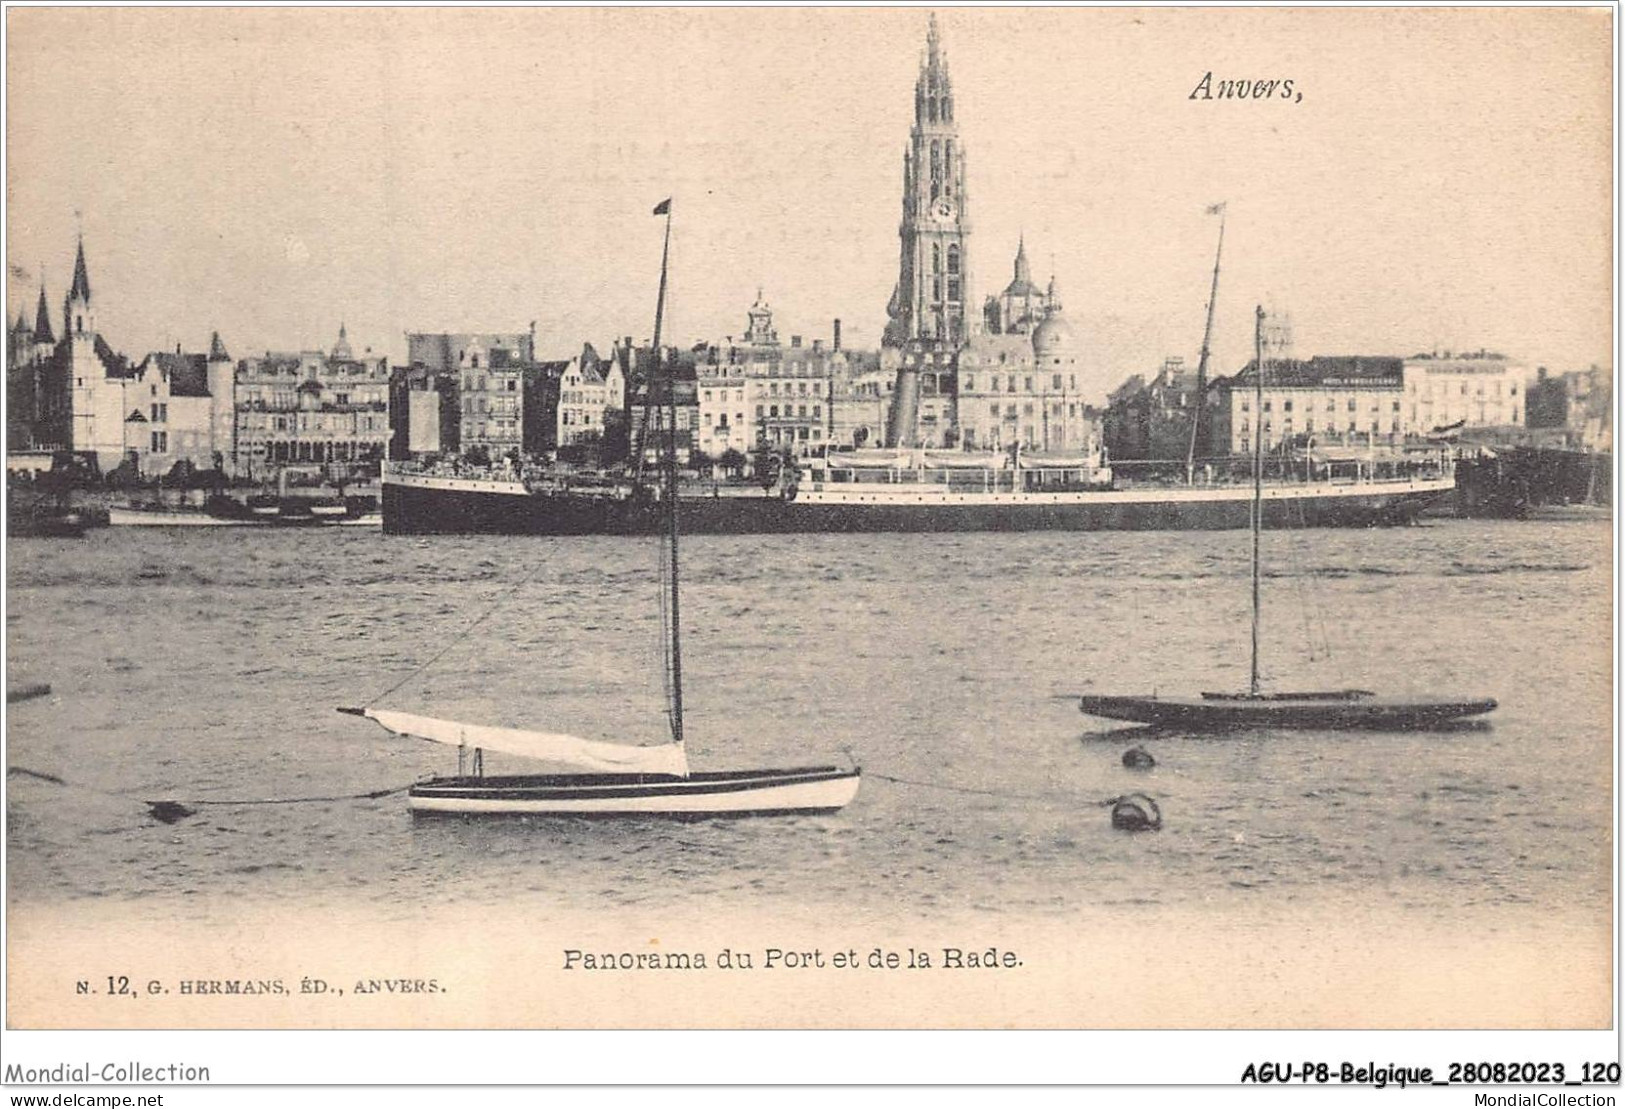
{"x": 700, "y": 796}
{"x": 448, "y": 507}
{"x": 1313, "y": 712}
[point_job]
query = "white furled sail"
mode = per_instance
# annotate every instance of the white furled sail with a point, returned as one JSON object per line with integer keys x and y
{"x": 587, "y": 754}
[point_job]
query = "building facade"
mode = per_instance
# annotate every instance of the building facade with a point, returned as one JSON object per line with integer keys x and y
{"x": 489, "y": 369}
{"x": 592, "y": 394}
{"x": 1153, "y": 420}
{"x": 1352, "y": 400}
{"x": 860, "y": 401}
{"x": 1578, "y": 403}
{"x": 1481, "y": 389}
{"x": 30, "y": 350}
{"x": 313, "y": 408}
{"x": 1020, "y": 379}
{"x": 759, "y": 392}
{"x": 183, "y": 407}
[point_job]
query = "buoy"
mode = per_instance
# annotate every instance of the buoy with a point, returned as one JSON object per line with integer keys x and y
{"x": 1138, "y": 758}
{"x": 170, "y": 812}
{"x": 1135, "y": 812}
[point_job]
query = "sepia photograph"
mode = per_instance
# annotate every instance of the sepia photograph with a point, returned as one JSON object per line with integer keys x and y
{"x": 617, "y": 519}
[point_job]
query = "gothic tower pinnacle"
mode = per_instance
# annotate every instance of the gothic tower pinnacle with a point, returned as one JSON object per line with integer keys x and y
{"x": 929, "y": 302}
{"x": 42, "y": 320}
{"x": 77, "y": 318}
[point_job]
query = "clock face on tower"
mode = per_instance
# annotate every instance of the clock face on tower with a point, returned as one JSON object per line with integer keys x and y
{"x": 944, "y": 211}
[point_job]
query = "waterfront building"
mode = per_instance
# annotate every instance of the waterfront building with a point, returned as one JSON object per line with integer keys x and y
{"x": 184, "y": 408}
{"x": 652, "y": 400}
{"x": 74, "y": 394}
{"x": 423, "y": 413}
{"x": 539, "y": 390}
{"x": 313, "y": 408}
{"x": 722, "y": 382}
{"x": 82, "y": 385}
{"x": 591, "y": 394}
{"x": 757, "y": 392}
{"x": 1151, "y": 420}
{"x": 1352, "y": 400}
{"x": 489, "y": 370}
{"x": 860, "y": 399}
{"x": 1481, "y": 389}
{"x": 1020, "y": 381}
{"x": 30, "y": 349}
{"x": 926, "y": 315}
{"x": 1579, "y": 404}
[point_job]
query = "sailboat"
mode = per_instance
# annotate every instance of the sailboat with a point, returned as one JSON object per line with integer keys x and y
{"x": 1332, "y": 709}
{"x": 613, "y": 779}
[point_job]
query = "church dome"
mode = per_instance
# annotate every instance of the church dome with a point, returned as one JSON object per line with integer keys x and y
{"x": 1053, "y": 338}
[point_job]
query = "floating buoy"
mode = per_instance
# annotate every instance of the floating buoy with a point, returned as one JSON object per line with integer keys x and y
{"x": 1138, "y": 758}
{"x": 170, "y": 812}
{"x": 1135, "y": 812}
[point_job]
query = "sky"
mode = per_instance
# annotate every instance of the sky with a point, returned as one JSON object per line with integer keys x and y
{"x": 1444, "y": 181}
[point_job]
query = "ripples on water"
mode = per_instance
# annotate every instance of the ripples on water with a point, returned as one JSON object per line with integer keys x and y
{"x": 205, "y": 665}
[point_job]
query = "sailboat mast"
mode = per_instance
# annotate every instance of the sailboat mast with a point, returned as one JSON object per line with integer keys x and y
{"x": 670, "y": 459}
{"x": 1258, "y": 477}
{"x": 1201, "y": 360}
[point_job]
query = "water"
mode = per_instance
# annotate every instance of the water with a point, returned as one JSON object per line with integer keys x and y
{"x": 205, "y": 664}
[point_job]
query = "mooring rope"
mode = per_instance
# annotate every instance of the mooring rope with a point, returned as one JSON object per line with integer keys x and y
{"x": 169, "y": 811}
{"x": 458, "y": 638}
{"x": 1002, "y": 794}
{"x": 303, "y": 800}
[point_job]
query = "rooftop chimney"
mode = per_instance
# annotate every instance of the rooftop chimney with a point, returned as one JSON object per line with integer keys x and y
{"x": 795, "y": 340}
{"x": 818, "y": 346}
{"x": 837, "y": 340}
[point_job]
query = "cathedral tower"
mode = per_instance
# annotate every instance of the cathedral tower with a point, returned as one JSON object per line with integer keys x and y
{"x": 929, "y": 301}
{"x": 927, "y": 324}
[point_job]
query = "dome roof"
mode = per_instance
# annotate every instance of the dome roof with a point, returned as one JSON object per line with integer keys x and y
{"x": 1053, "y": 337}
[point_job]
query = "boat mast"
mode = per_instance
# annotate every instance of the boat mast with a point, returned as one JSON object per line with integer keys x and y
{"x": 1201, "y": 360}
{"x": 1258, "y": 477}
{"x": 670, "y": 460}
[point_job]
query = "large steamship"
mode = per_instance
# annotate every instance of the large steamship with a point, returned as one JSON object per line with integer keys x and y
{"x": 914, "y": 491}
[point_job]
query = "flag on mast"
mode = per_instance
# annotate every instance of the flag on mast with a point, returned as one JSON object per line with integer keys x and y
{"x": 663, "y": 208}
{"x": 1212, "y": 209}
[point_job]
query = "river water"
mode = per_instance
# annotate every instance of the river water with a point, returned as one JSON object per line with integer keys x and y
{"x": 204, "y": 665}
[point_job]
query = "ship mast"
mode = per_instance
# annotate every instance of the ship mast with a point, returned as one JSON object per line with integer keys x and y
{"x": 1258, "y": 478}
{"x": 1201, "y": 360}
{"x": 674, "y": 651}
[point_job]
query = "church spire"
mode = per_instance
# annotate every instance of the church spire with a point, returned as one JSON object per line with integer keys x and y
{"x": 81, "y": 278}
{"x": 42, "y": 320}
{"x": 1024, "y": 272}
{"x": 217, "y": 349}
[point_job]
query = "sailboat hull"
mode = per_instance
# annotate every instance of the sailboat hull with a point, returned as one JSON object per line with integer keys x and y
{"x": 1322, "y": 712}
{"x": 700, "y": 796}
